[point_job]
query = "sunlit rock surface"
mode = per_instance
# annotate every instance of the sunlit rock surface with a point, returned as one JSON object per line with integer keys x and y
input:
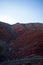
{"x": 21, "y": 41}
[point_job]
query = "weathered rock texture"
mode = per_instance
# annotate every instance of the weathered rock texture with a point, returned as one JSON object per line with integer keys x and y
{"x": 21, "y": 41}
{"x": 30, "y": 39}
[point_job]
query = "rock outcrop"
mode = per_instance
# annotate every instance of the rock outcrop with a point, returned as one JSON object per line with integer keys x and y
{"x": 20, "y": 41}
{"x": 30, "y": 40}
{"x": 6, "y": 35}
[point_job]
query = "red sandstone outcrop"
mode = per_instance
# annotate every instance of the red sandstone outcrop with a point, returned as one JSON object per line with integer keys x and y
{"x": 25, "y": 40}
{"x": 30, "y": 42}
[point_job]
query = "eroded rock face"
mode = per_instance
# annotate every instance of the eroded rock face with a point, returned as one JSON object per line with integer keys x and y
{"x": 30, "y": 42}
{"x": 6, "y": 35}
{"x": 20, "y": 41}
{"x": 3, "y": 51}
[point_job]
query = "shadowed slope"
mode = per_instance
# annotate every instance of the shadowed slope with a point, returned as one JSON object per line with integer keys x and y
{"x": 6, "y": 35}
{"x": 6, "y": 32}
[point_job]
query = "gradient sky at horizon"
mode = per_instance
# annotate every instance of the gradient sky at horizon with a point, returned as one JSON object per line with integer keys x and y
{"x": 23, "y": 11}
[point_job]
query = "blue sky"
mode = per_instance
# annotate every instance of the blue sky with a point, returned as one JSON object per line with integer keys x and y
{"x": 23, "y": 11}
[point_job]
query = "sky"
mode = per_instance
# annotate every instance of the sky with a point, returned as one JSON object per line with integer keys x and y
{"x": 21, "y": 11}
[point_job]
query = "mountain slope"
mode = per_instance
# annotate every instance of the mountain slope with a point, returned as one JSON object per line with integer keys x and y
{"x": 21, "y": 41}
{"x": 28, "y": 43}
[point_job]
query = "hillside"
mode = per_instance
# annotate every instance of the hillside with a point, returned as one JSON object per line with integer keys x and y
{"x": 21, "y": 41}
{"x": 30, "y": 39}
